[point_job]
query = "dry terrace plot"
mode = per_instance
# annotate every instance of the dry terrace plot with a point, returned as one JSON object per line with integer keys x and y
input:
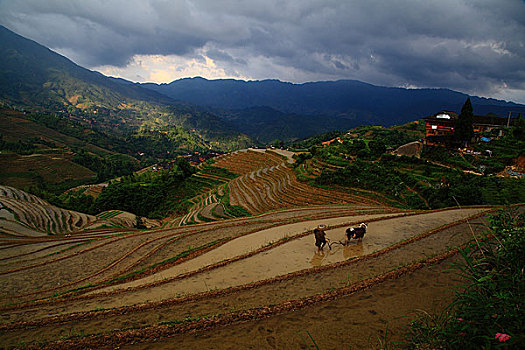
{"x": 14, "y": 127}
{"x": 245, "y": 161}
{"x": 267, "y": 183}
{"x": 23, "y": 170}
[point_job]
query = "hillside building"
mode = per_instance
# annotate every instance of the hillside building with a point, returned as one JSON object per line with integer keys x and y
{"x": 439, "y": 128}
{"x": 327, "y": 143}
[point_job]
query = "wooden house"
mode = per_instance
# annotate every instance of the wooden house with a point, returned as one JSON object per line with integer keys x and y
{"x": 439, "y": 128}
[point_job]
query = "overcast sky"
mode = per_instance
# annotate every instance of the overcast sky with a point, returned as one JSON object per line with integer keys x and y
{"x": 474, "y": 46}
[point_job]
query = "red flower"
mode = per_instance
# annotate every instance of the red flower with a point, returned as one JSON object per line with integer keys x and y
{"x": 502, "y": 337}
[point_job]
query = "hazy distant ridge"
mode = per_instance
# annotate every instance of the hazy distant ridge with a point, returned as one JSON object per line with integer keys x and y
{"x": 344, "y": 98}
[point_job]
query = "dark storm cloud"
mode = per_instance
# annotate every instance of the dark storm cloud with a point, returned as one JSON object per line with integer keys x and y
{"x": 473, "y": 46}
{"x": 105, "y": 32}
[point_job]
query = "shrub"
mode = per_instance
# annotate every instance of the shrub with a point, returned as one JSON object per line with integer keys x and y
{"x": 489, "y": 309}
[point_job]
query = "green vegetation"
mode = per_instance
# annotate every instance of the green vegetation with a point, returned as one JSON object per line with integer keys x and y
{"x": 232, "y": 210}
{"x": 154, "y": 195}
{"x": 109, "y": 214}
{"x": 64, "y": 153}
{"x": 108, "y": 167}
{"x": 168, "y": 141}
{"x": 394, "y": 136}
{"x": 504, "y": 152}
{"x": 151, "y": 194}
{"x": 449, "y": 157}
{"x": 441, "y": 178}
{"x": 82, "y": 133}
{"x": 19, "y": 147}
{"x": 364, "y": 142}
{"x": 309, "y": 142}
{"x": 489, "y": 309}
{"x": 380, "y": 177}
{"x": 519, "y": 129}
{"x": 418, "y": 184}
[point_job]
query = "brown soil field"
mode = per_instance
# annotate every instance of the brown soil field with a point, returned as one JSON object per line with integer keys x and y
{"x": 14, "y": 127}
{"x": 21, "y": 171}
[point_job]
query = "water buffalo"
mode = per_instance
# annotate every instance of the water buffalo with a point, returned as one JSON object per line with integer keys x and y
{"x": 356, "y": 232}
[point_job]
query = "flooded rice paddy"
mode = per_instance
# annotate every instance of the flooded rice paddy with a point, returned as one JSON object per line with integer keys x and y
{"x": 296, "y": 255}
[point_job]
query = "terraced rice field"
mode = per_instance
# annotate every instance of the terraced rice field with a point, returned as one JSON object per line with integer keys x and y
{"x": 22, "y": 214}
{"x": 174, "y": 280}
{"x": 255, "y": 282}
{"x": 27, "y": 215}
{"x": 265, "y": 183}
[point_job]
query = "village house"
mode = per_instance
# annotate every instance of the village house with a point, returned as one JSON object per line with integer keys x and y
{"x": 439, "y": 128}
{"x": 327, "y": 143}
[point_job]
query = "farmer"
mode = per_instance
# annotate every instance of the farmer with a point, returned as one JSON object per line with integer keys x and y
{"x": 320, "y": 237}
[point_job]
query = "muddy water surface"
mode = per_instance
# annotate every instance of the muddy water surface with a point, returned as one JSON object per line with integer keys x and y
{"x": 357, "y": 321}
{"x": 294, "y": 256}
{"x": 266, "y": 294}
{"x": 250, "y": 243}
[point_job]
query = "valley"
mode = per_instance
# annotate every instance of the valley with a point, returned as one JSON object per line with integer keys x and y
{"x": 230, "y": 247}
{"x": 182, "y": 214}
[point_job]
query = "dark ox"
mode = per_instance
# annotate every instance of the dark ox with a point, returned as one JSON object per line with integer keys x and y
{"x": 356, "y": 232}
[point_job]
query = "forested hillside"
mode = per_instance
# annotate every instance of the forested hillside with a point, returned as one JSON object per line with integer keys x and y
{"x": 34, "y": 78}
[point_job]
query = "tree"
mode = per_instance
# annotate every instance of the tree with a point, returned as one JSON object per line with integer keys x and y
{"x": 463, "y": 130}
{"x": 519, "y": 128}
{"x": 377, "y": 148}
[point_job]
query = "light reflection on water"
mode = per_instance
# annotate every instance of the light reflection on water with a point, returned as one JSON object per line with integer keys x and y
{"x": 352, "y": 250}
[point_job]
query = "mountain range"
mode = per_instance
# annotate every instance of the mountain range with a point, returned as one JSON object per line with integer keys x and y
{"x": 347, "y": 99}
{"x": 212, "y": 114}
